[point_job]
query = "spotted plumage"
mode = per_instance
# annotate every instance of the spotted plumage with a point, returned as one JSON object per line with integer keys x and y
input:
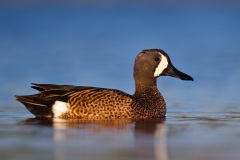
{"x": 82, "y": 102}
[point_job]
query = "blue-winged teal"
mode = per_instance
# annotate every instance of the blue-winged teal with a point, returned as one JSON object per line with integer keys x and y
{"x": 82, "y": 102}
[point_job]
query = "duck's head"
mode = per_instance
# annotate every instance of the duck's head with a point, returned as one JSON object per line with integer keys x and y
{"x": 153, "y": 63}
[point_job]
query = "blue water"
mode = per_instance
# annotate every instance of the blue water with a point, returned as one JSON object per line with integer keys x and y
{"x": 95, "y": 45}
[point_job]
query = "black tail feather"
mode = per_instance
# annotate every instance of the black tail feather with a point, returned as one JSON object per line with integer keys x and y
{"x": 37, "y": 104}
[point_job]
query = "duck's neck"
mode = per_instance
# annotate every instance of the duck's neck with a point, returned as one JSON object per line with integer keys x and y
{"x": 144, "y": 81}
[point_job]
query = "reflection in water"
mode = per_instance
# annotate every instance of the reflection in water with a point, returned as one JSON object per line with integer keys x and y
{"x": 151, "y": 139}
{"x": 89, "y": 139}
{"x": 161, "y": 152}
{"x": 93, "y": 139}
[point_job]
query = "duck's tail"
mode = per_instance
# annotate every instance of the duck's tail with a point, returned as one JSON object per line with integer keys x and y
{"x": 41, "y": 105}
{"x": 38, "y": 105}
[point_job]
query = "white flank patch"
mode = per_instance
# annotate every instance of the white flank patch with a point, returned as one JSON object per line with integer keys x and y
{"x": 161, "y": 66}
{"x": 59, "y": 108}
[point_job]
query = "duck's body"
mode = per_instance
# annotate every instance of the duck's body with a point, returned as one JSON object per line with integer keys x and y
{"x": 81, "y": 102}
{"x": 70, "y": 102}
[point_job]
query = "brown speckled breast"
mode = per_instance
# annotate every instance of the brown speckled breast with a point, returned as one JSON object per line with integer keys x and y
{"x": 151, "y": 100}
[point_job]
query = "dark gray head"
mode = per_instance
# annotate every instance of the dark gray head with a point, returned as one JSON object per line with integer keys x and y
{"x": 152, "y": 63}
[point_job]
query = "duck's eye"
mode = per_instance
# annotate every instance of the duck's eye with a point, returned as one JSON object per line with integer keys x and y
{"x": 156, "y": 59}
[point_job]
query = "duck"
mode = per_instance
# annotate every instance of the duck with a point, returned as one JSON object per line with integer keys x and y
{"x": 95, "y": 103}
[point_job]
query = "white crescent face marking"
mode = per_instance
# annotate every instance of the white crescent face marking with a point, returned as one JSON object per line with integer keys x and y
{"x": 59, "y": 108}
{"x": 161, "y": 66}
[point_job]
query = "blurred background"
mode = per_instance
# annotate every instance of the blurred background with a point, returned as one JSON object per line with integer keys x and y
{"x": 94, "y": 43}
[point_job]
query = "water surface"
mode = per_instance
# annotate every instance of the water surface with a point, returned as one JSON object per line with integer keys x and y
{"x": 211, "y": 135}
